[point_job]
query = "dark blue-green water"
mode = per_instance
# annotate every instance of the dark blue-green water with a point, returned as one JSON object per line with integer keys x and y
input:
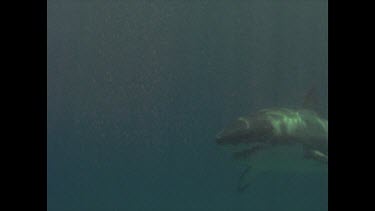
{"x": 137, "y": 91}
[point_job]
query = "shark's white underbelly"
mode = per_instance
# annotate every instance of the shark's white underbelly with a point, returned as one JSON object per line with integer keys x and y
{"x": 284, "y": 159}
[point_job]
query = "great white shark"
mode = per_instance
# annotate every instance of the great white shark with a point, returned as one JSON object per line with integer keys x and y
{"x": 277, "y": 140}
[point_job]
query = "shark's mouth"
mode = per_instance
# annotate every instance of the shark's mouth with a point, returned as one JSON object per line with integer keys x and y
{"x": 247, "y": 153}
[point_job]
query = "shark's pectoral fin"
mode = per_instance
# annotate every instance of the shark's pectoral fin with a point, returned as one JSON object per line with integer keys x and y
{"x": 243, "y": 181}
{"x": 249, "y": 176}
{"x": 320, "y": 156}
{"x": 315, "y": 154}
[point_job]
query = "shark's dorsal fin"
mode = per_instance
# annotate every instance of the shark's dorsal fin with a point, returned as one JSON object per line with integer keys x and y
{"x": 310, "y": 101}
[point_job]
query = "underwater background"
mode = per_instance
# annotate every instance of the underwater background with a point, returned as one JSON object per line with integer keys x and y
{"x": 137, "y": 91}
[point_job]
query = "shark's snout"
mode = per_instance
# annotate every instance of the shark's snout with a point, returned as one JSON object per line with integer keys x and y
{"x": 234, "y": 133}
